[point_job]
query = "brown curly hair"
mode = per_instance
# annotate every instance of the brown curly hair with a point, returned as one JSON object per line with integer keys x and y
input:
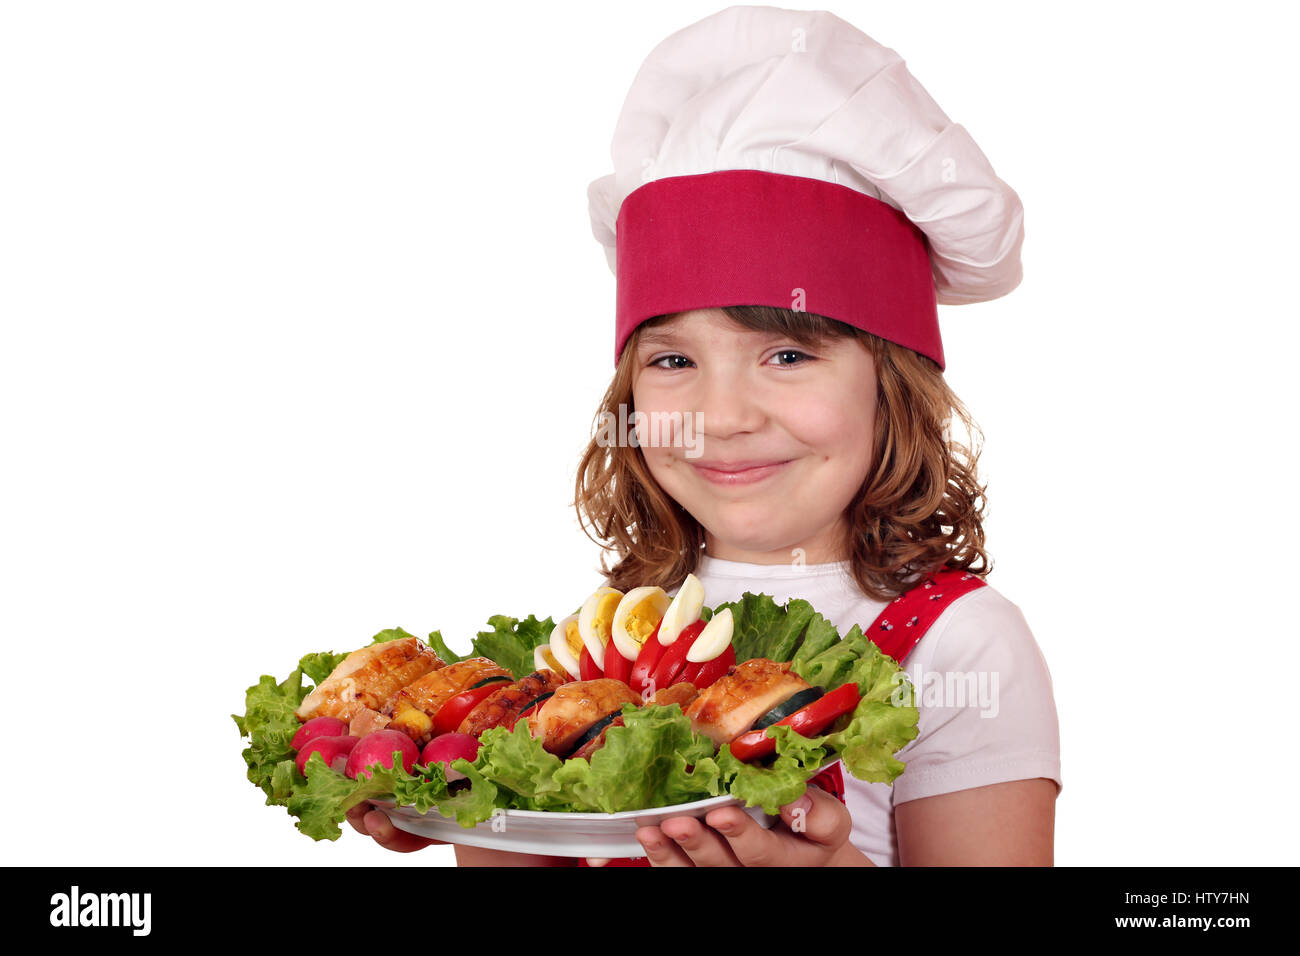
{"x": 920, "y": 508}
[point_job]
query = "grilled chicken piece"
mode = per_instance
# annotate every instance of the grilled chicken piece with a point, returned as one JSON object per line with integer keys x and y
{"x": 595, "y": 743}
{"x": 503, "y": 707}
{"x": 681, "y": 694}
{"x": 414, "y": 706}
{"x": 728, "y": 707}
{"x": 574, "y": 707}
{"x": 368, "y": 677}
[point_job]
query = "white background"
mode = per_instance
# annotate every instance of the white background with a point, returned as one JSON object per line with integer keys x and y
{"x": 304, "y": 329}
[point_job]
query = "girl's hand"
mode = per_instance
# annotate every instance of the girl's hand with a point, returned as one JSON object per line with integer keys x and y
{"x": 369, "y": 821}
{"x": 814, "y": 831}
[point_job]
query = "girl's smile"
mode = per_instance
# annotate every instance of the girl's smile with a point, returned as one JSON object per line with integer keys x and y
{"x": 737, "y": 474}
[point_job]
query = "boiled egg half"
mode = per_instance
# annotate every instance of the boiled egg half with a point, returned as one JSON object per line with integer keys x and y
{"x": 565, "y": 648}
{"x": 683, "y": 611}
{"x": 636, "y": 617}
{"x": 596, "y": 621}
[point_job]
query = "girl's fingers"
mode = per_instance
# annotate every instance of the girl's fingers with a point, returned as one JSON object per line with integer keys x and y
{"x": 820, "y": 817}
{"x": 660, "y": 850}
{"x": 703, "y": 845}
{"x": 388, "y": 836}
{"x": 748, "y": 841}
{"x": 357, "y": 814}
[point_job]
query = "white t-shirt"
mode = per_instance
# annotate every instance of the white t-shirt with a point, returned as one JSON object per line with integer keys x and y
{"x": 987, "y": 714}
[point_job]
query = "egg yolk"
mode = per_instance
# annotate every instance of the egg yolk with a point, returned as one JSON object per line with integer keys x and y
{"x": 573, "y": 637}
{"x": 551, "y": 662}
{"x": 603, "y": 620}
{"x": 642, "y": 620}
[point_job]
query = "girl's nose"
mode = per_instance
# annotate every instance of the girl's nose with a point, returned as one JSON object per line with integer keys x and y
{"x": 727, "y": 406}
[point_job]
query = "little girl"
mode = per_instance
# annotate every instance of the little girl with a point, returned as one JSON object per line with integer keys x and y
{"x": 787, "y": 209}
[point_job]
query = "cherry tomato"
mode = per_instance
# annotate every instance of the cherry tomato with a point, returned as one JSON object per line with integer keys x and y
{"x": 704, "y": 673}
{"x": 673, "y": 659}
{"x": 645, "y": 662}
{"x": 806, "y": 721}
{"x": 587, "y": 668}
{"x": 453, "y": 712}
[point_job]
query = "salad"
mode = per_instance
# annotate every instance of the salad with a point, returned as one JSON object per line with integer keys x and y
{"x": 635, "y": 701}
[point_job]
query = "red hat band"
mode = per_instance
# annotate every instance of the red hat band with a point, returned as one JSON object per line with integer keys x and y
{"x": 749, "y": 237}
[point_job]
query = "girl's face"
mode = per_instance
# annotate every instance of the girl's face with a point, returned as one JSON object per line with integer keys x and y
{"x": 756, "y": 398}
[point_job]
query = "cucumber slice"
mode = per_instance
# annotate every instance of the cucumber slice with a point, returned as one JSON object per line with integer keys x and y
{"x": 787, "y": 707}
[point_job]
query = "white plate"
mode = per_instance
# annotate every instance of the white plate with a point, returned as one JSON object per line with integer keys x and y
{"x": 556, "y": 834}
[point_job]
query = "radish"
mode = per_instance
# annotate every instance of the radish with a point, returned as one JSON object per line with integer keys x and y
{"x": 333, "y": 750}
{"x": 318, "y": 727}
{"x": 378, "y": 748}
{"x": 445, "y": 748}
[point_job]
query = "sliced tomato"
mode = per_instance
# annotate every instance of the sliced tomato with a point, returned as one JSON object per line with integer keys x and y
{"x": 587, "y": 669}
{"x": 752, "y": 745}
{"x": 616, "y": 665}
{"x": 673, "y": 659}
{"x": 704, "y": 673}
{"x": 807, "y": 721}
{"x": 821, "y": 713}
{"x": 645, "y": 662}
{"x": 453, "y": 712}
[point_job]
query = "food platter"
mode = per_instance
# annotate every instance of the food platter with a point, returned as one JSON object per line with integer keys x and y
{"x": 776, "y": 694}
{"x": 556, "y": 834}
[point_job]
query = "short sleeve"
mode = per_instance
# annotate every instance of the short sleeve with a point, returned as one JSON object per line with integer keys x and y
{"x": 987, "y": 712}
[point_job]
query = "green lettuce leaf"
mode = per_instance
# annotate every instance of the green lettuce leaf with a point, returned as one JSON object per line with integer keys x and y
{"x": 445, "y": 653}
{"x": 511, "y": 642}
{"x": 270, "y": 724}
{"x": 653, "y": 760}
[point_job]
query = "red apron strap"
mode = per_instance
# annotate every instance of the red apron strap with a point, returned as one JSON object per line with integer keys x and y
{"x": 899, "y": 628}
{"x": 904, "y": 621}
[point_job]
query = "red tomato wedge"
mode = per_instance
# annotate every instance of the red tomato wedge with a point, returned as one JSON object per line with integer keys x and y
{"x": 645, "y": 662}
{"x": 673, "y": 659}
{"x": 453, "y": 712}
{"x": 808, "y": 721}
{"x": 704, "y": 673}
{"x": 587, "y": 669}
{"x": 616, "y": 665}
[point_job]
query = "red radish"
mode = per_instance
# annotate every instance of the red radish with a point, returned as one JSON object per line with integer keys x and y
{"x": 319, "y": 727}
{"x": 445, "y": 748}
{"x": 378, "y": 748}
{"x": 333, "y": 750}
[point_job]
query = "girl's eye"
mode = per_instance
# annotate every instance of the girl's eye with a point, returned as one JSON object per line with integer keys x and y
{"x": 791, "y": 352}
{"x": 658, "y": 363}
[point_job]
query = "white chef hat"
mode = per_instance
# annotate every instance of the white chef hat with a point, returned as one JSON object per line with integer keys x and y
{"x": 778, "y": 157}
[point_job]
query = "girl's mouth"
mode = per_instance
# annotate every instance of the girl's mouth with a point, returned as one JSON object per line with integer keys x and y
{"x": 739, "y": 475}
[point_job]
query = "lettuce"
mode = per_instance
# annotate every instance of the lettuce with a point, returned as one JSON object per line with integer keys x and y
{"x": 511, "y": 642}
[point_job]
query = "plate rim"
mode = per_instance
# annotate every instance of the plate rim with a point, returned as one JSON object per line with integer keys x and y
{"x": 725, "y": 799}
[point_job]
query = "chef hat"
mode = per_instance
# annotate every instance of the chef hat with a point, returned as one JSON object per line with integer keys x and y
{"x": 784, "y": 158}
